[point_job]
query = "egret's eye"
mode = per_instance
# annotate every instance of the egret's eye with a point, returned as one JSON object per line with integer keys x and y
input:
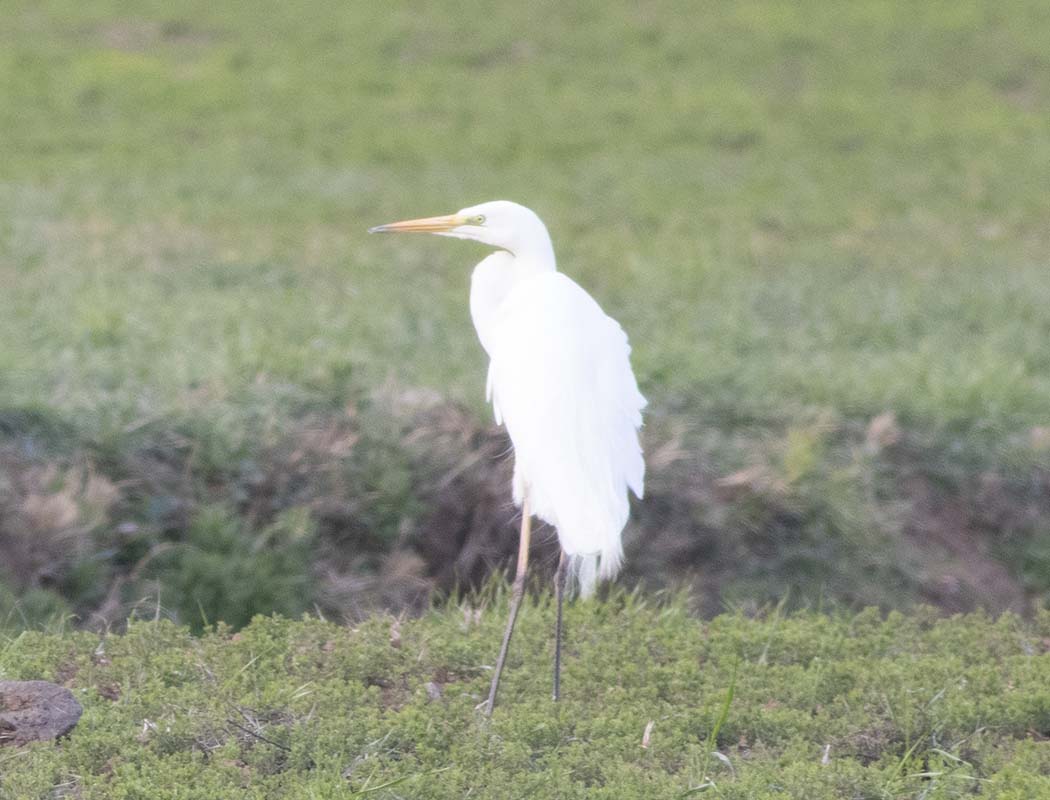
{"x": 478, "y": 220}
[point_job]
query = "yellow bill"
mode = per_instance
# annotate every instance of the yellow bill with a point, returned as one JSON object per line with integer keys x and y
{"x": 424, "y": 225}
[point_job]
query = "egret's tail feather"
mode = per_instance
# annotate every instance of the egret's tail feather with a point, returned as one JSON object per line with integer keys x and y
{"x": 590, "y": 568}
{"x": 585, "y": 569}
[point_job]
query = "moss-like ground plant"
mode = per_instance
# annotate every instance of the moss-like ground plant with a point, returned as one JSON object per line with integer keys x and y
{"x": 657, "y": 704}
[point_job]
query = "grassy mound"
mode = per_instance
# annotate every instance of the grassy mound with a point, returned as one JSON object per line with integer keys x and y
{"x": 401, "y": 496}
{"x": 657, "y": 704}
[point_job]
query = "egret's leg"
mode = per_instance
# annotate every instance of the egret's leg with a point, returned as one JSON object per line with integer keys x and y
{"x": 559, "y": 594}
{"x": 517, "y": 593}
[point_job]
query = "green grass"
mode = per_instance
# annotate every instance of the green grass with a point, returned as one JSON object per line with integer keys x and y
{"x": 787, "y": 206}
{"x": 798, "y": 706}
{"x": 804, "y": 215}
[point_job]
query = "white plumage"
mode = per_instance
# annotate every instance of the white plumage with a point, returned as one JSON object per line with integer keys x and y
{"x": 560, "y": 379}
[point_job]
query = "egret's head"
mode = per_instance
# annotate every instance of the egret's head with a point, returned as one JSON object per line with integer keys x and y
{"x": 499, "y": 223}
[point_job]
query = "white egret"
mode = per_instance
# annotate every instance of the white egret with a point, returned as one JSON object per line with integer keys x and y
{"x": 560, "y": 379}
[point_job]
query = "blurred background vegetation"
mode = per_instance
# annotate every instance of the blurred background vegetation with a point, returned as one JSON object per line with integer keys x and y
{"x": 824, "y": 226}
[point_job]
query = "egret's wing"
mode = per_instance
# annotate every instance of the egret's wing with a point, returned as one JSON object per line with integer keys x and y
{"x": 561, "y": 379}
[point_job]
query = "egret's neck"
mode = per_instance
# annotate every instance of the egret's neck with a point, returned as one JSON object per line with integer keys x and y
{"x": 534, "y": 255}
{"x": 527, "y": 266}
{"x": 493, "y": 280}
{"x": 497, "y": 275}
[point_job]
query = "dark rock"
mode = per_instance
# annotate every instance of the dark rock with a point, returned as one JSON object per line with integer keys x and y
{"x": 35, "y": 711}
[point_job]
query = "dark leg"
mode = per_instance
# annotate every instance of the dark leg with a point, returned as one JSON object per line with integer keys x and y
{"x": 515, "y": 601}
{"x": 559, "y": 594}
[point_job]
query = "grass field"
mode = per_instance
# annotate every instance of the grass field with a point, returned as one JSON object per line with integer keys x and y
{"x": 656, "y": 705}
{"x": 804, "y": 215}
